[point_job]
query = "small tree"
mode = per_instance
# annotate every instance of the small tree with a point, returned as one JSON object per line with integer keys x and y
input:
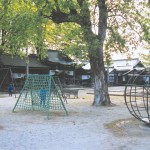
{"x": 22, "y": 30}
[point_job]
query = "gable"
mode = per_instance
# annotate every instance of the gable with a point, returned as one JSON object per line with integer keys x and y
{"x": 126, "y": 64}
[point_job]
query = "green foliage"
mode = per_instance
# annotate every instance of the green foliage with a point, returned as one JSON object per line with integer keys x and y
{"x": 28, "y": 24}
{"x": 146, "y": 59}
{"x": 24, "y": 27}
{"x": 108, "y": 58}
{"x": 67, "y": 37}
{"x": 128, "y": 25}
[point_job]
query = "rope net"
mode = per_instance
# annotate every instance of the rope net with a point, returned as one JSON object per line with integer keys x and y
{"x": 40, "y": 93}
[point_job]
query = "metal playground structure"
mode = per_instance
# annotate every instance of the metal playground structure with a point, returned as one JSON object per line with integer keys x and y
{"x": 137, "y": 96}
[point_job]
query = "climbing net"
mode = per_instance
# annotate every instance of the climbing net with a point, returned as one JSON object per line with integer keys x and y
{"x": 40, "y": 93}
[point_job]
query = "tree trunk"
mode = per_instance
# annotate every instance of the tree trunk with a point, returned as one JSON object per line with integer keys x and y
{"x": 3, "y": 34}
{"x": 101, "y": 96}
{"x": 27, "y": 69}
{"x": 27, "y": 62}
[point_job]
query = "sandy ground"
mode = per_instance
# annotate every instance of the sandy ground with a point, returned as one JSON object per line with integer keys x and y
{"x": 85, "y": 128}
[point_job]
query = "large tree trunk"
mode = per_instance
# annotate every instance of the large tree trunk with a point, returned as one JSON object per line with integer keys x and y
{"x": 101, "y": 96}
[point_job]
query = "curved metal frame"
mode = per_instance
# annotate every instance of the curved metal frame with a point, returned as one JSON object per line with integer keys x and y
{"x": 137, "y": 100}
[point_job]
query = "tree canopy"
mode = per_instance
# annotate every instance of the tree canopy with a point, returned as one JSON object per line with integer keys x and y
{"x": 28, "y": 23}
{"x": 119, "y": 26}
{"x": 22, "y": 28}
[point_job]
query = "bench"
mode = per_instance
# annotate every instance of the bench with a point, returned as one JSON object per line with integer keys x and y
{"x": 68, "y": 92}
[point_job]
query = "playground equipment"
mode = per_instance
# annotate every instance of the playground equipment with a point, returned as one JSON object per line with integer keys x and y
{"x": 137, "y": 96}
{"x": 40, "y": 93}
{"x": 6, "y": 78}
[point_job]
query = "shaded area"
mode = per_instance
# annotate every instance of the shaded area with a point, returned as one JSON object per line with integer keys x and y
{"x": 128, "y": 127}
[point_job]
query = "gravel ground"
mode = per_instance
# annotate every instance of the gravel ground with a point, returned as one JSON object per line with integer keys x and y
{"x": 85, "y": 128}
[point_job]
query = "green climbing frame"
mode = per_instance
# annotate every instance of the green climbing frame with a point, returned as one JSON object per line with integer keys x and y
{"x": 40, "y": 93}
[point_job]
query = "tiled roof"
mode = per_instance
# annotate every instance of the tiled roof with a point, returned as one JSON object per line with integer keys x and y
{"x": 125, "y": 62}
{"x": 122, "y": 64}
{"x": 57, "y": 57}
{"x": 8, "y": 60}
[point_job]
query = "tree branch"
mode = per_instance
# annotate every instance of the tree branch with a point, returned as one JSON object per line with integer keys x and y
{"x": 58, "y": 16}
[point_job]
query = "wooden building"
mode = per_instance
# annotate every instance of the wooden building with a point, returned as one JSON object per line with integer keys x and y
{"x": 13, "y": 69}
{"x": 119, "y": 73}
{"x": 83, "y": 75}
{"x": 60, "y": 65}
